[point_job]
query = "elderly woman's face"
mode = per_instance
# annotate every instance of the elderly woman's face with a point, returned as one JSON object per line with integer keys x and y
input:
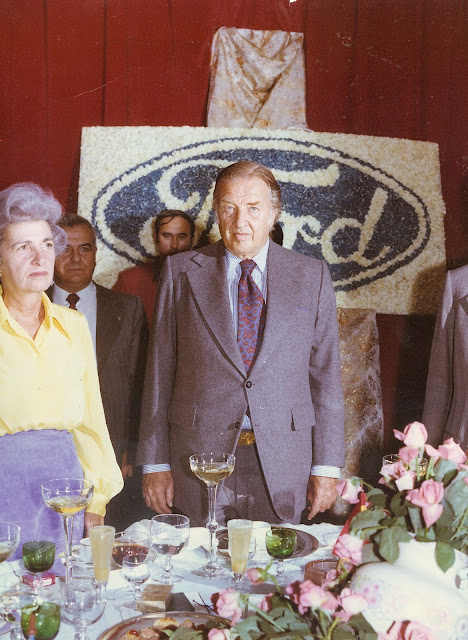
{"x": 27, "y": 257}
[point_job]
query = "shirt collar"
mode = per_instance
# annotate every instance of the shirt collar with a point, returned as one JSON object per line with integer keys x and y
{"x": 260, "y": 259}
{"x": 86, "y": 295}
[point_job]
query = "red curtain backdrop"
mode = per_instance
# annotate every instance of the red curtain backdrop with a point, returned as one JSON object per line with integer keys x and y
{"x": 378, "y": 67}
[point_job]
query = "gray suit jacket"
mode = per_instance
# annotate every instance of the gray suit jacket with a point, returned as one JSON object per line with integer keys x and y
{"x": 446, "y": 404}
{"x": 121, "y": 343}
{"x": 196, "y": 390}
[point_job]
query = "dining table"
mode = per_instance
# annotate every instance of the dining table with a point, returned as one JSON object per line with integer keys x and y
{"x": 317, "y": 543}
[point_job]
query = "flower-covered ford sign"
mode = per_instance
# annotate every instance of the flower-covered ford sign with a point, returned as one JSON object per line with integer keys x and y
{"x": 356, "y": 211}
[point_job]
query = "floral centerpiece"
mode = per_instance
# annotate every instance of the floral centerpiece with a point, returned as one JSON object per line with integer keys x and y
{"x": 427, "y": 504}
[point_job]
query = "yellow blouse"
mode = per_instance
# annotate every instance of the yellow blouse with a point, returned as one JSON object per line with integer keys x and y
{"x": 51, "y": 382}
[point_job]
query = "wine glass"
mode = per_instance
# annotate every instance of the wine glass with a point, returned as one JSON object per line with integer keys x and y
{"x": 82, "y": 604}
{"x": 13, "y": 594}
{"x": 170, "y": 534}
{"x": 67, "y": 496}
{"x": 212, "y": 468}
{"x": 102, "y": 541}
{"x": 41, "y": 620}
{"x": 38, "y": 556}
{"x": 9, "y": 539}
{"x": 280, "y": 544}
{"x": 128, "y": 543}
{"x": 136, "y": 571}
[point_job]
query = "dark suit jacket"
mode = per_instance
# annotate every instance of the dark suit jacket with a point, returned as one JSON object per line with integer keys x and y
{"x": 196, "y": 389}
{"x": 446, "y": 405}
{"x": 121, "y": 342}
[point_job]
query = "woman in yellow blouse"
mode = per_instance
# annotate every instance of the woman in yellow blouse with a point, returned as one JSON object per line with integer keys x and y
{"x": 52, "y": 422}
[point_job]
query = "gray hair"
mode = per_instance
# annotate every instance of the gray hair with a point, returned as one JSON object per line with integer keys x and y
{"x": 28, "y": 202}
{"x": 70, "y": 220}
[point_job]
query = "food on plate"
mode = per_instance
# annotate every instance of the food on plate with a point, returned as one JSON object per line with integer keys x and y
{"x": 158, "y": 630}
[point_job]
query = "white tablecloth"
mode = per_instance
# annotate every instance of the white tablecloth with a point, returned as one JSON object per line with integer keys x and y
{"x": 196, "y": 589}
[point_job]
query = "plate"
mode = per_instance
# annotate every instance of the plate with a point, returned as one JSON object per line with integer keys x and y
{"x": 306, "y": 543}
{"x": 146, "y": 620}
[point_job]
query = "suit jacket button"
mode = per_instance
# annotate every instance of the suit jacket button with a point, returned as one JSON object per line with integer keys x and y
{"x": 248, "y": 384}
{"x": 237, "y": 425}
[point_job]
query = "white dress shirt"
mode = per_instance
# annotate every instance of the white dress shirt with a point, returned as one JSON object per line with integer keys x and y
{"x": 87, "y": 304}
{"x": 259, "y": 275}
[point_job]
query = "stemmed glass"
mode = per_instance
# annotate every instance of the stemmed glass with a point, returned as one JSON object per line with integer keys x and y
{"x": 67, "y": 496}
{"x": 102, "y": 541}
{"x": 280, "y": 544}
{"x": 82, "y": 604}
{"x": 9, "y": 539}
{"x": 46, "y": 621}
{"x": 240, "y": 537}
{"x": 170, "y": 534}
{"x": 38, "y": 556}
{"x": 136, "y": 571}
{"x": 212, "y": 468}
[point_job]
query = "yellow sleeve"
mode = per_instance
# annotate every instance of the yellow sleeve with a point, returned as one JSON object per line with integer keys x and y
{"x": 93, "y": 444}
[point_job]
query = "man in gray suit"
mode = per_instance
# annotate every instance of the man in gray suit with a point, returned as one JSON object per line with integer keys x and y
{"x": 119, "y": 330}
{"x": 280, "y": 409}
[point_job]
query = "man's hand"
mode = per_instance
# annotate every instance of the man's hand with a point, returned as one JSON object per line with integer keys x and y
{"x": 126, "y": 468}
{"x": 91, "y": 520}
{"x": 158, "y": 491}
{"x": 321, "y": 493}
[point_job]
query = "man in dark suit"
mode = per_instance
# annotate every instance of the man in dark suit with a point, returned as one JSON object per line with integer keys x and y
{"x": 118, "y": 326}
{"x": 268, "y": 389}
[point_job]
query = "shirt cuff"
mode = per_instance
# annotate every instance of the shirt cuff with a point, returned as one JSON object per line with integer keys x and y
{"x": 325, "y": 470}
{"x": 155, "y": 468}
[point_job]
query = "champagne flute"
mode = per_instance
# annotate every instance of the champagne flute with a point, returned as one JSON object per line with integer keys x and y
{"x": 280, "y": 544}
{"x": 101, "y": 539}
{"x": 136, "y": 571}
{"x": 9, "y": 539}
{"x": 82, "y": 604}
{"x": 240, "y": 534}
{"x": 170, "y": 534}
{"x": 67, "y": 496}
{"x": 212, "y": 468}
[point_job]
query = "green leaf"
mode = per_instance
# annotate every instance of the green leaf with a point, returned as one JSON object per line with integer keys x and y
{"x": 442, "y": 467}
{"x": 457, "y": 495}
{"x": 414, "y": 513}
{"x": 369, "y": 519}
{"x": 398, "y": 504}
{"x": 445, "y": 555}
{"x": 369, "y": 554}
{"x": 388, "y": 547}
{"x": 377, "y": 497}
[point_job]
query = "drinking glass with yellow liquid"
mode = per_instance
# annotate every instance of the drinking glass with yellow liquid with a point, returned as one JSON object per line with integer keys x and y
{"x": 101, "y": 539}
{"x": 240, "y": 533}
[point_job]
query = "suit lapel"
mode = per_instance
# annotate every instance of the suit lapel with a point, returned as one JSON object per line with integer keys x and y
{"x": 108, "y": 324}
{"x": 209, "y": 286}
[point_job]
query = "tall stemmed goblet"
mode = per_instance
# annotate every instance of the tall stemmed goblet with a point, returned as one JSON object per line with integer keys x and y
{"x": 9, "y": 539}
{"x": 212, "y": 468}
{"x": 82, "y": 604}
{"x": 280, "y": 543}
{"x": 67, "y": 496}
{"x": 170, "y": 533}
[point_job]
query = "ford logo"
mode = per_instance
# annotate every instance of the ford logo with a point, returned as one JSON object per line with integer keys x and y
{"x": 365, "y": 223}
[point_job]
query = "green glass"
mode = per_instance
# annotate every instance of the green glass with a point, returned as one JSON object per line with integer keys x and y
{"x": 280, "y": 543}
{"x": 47, "y": 620}
{"x": 38, "y": 556}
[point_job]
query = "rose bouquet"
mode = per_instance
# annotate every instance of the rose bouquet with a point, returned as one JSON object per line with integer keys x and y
{"x": 430, "y": 505}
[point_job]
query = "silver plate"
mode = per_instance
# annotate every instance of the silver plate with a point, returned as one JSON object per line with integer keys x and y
{"x": 146, "y": 620}
{"x": 306, "y": 543}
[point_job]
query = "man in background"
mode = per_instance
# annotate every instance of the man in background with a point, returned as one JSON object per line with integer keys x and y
{"x": 119, "y": 330}
{"x": 173, "y": 233}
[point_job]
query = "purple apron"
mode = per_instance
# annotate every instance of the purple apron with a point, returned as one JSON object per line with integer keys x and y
{"x": 27, "y": 459}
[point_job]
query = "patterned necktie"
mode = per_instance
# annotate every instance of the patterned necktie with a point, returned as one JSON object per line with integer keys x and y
{"x": 251, "y": 315}
{"x": 72, "y": 299}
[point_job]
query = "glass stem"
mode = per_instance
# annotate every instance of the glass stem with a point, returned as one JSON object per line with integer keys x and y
{"x": 68, "y": 526}
{"x": 212, "y": 525}
{"x": 279, "y": 569}
{"x": 168, "y": 569}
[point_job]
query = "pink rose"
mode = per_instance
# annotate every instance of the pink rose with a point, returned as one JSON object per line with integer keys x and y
{"x": 349, "y": 547}
{"x": 413, "y": 435}
{"x": 306, "y": 594}
{"x": 219, "y": 634}
{"x": 265, "y": 604}
{"x": 349, "y": 489}
{"x": 351, "y": 602}
{"x": 428, "y": 496}
{"x": 254, "y": 575}
{"x": 408, "y": 454}
{"x": 226, "y": 604}
{"x": 406, "y": 481}
{"x": 417, "y": 631}
{"x": 450, "y": 450}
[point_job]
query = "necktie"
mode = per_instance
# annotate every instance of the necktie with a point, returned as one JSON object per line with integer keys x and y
{"x": 251, "y": 315}
{"x": 72, "y": 299}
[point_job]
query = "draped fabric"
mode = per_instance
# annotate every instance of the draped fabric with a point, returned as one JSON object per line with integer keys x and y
{"x": 379, "y": 67}
{"x": 257, "y": 79}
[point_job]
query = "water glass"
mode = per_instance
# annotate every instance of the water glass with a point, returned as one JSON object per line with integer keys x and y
{"x": 390, "y": 458}
{"x": 82, "y": 604}
{"x": 136, "y": 571}
{"x": 170, "y": 534}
